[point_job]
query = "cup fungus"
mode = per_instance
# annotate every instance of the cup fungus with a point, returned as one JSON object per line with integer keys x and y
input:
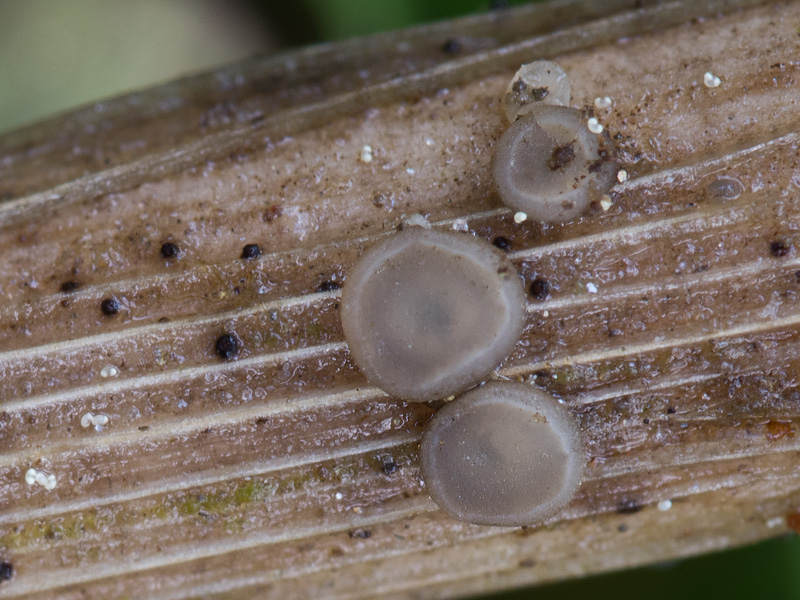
{"x": 550, "y": 166}
{"x": 428, "y": 313}
{"x": 539, "y": 82}
{"x": 504, "y": 454}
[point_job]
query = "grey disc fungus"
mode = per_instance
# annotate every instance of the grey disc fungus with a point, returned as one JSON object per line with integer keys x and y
{"x": 550, "y": 166}
{"x": 539, "y": 82}
{"x": 428, "y": 313}
{"x": 504, "y": 454}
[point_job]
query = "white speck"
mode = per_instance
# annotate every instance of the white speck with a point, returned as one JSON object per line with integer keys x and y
{"x": 622, "y": 176}
{"x": 97, "y": 420}
{"x": 775, "y": 522}
{"x": 416, "y": 220}
{"x": 594, "y": 125}
{"x": 520, "y": 217}
{"x": 51, "y": 482}
{"x": 30, "y": 476}
{"x": 460, "y": 225}
{"x": 109, "y": 371}
{"x": 604, "y": 102}
{"x": 338, "y": 495}
{"x": 591, "y": 288}
{"x": 665, "y": 505}
{"x": 41, "y": 478}
{"x": 711, "y": 80}
{"x": 428, "y": 142}
{"x": 366, "y": 154}
{"x": 546, "y": 313}
{"x": 606, "y": 203}
{"x": 410, "y": 171}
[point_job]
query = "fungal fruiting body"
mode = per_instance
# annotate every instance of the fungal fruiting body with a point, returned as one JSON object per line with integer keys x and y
{"x": 503, "y": 454}
{"x": 550, "y": 166}
{"x": 536, "y": 83}
{"x": 429, "y": 313}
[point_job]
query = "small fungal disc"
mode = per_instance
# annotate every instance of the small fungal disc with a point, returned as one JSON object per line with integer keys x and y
{"x": 504, "y": 454}
{"x": 549, "y": 165}
{"x": 429, "y": 313}
{"x": 539, "y": 82}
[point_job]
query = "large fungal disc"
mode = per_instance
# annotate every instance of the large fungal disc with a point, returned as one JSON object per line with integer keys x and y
{"x": 503, "y": 454}
{"x": 550, "y": 166}
{"x": 539, "y": 82}
{"x": 427, "y": 314}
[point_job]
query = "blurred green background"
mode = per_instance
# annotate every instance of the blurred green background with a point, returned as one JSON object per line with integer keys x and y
{"x": 56, "y": 54}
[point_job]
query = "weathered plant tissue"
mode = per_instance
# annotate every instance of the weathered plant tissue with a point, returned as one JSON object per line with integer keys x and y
{"x": 138, "y": 463}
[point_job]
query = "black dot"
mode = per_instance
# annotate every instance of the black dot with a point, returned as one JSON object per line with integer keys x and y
{"x": 670, "y": 410}
{"x": 227, "y": 346}
{"x": 389, "y": 467}
{"x": 451, "y": 47}
{"x": 362, "y": 534}
{"x": 170, "y": 250}
{"x": 503, "y": 243}
{"x": 779, "y": 249}
{"x": 109, "y": 306}
{"x": 540, "y": 288}
{"x": 251, "y": 251}
{"x": 629, "y": 507}
{"x": 69, "y": 286}
{"x": 6, "y": 570}
{"x": 328, "y": 286}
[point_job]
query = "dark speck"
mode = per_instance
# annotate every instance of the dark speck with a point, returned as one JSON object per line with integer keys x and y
{"x": 539, "y": 93}
{"x": 362, "y": 534}
{"x": 328, "y": 286}
{"x": 629, "y": 507}
{"x": 561, "y": 157}
{"x": 251, "y": 251}
{"x": 451, "y": 47}
{"x": 227, "y": 346}
{"x": 670, "y": 410}
{"x": 109, "y": 306}
{"x": 526, "y": 563}
{"x": 779, "y": 249}
{"x": 646, "y": 421}
{"x": 170, "y": 250}
{"x": 503, "y": 243}
{"x": 6, "y": 570}
{"x": 389, "y": 467}
{"x": 69, "y": 286}
{"x": 540, "y": 288}
{"x": 622, "y": 528}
